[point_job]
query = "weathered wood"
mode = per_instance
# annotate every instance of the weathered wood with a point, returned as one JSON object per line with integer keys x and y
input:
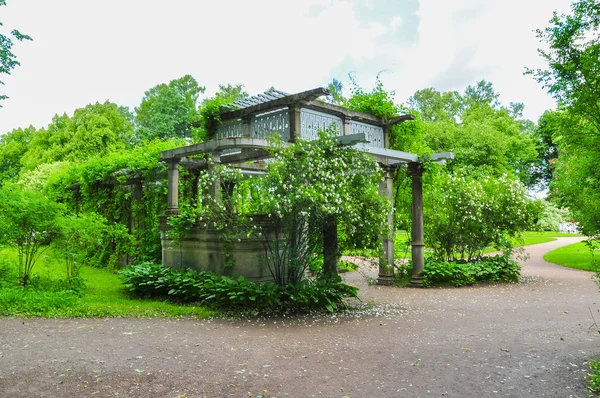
{"x": 282, "y": 102}
{"x": 214, "y": 146}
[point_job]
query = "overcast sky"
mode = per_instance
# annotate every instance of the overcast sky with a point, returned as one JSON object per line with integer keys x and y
{"x": 85, "y": 51}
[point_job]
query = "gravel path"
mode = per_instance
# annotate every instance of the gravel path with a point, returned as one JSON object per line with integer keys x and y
{"x": 523, "y": 340}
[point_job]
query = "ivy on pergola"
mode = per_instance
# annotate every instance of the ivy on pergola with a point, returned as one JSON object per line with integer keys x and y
{"x": 240, "y": 139}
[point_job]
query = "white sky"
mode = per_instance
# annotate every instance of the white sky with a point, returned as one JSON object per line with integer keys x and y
{"x": 86, "y": 51}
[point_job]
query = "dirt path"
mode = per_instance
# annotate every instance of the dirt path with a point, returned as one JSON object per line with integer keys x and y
{"x": 522, "y": 340}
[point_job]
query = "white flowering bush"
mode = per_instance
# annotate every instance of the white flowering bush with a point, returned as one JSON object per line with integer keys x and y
{"x": 464, "y": 215}
{"x": 309, "y": 187}
{"x": 312, "y": 185}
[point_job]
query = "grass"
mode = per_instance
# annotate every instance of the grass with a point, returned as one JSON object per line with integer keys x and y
{"x": 577, "y": 255}
{"x": 402, "y": 243}
{"x": 104, "y": 295}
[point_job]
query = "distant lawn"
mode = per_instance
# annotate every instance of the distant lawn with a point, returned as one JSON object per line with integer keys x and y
{"x": 402, "y": 243}
{"x": 577, "y": 256}
{"x": 104, "y": 295}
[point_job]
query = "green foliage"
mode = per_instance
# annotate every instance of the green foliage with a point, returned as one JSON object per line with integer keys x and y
{"x": 13, "y": 146}
{"x": 571, "y": 76}
{"x": 314, "y": 184}
{"x": 549, "y": 216}
{"x": 480, "y": 132}
{"x": 168, "y": 110}
{"x": 80, "y": 241}
{"x": 593, "y": 378}
{"x": 93, "y": 131}
{"x": 149, "y": 280}
{"x": 29, "y": 222}
{"x": 32, "y": 302}
{"x": 499, "y": 268}
{"x": 224, "y": 100}
{"x": 8, "y": 60}
{"x": 464, "y": 215}
{"x": 345, "y": 266}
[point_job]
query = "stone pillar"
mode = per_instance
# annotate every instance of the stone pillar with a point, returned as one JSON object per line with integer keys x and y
{"x": 173, "y": 187}
{"x": 415, "y": 170}
{"x": 386, "y": 263}
{"x": 346, "y": 127}
{"x": 295, "y": 122}
{"x": 215, "y": 189}
{"x": 246, "y": 126}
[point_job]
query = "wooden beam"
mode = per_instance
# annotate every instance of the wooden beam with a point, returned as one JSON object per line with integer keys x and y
{"x": 305, "y": 96}
{"x": 214, "y": 146}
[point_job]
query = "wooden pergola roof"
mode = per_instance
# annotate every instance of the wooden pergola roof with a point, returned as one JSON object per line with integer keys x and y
{"x": 274, "y": 99}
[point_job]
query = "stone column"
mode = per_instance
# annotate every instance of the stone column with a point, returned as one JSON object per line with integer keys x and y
{"x": 295, "y": 115}
{"x": 415, "y": 170}
{"x": 173, "y": 187}
{"x": 386, "y": 263}
{"x": 347, "y": 128}
{"x": 215, "y": 189}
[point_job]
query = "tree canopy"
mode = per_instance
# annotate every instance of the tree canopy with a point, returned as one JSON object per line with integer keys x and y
{"x": 573, "y": 132}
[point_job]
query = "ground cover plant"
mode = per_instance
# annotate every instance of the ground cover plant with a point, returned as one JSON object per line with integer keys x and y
{"x": 235, "y": 293}
{"x": 489, "y": 269}
{"x": 593, "y": 378}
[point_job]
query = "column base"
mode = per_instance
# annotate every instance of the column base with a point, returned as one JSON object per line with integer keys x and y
{"x": 416, "y": 282}
{"x": 385, "y": 280}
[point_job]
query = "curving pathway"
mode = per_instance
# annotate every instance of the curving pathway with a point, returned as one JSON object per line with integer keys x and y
{"x": 523, "y": 340}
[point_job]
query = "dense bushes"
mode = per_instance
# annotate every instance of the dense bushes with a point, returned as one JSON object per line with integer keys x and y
{"x": 222, "y": 292}
{"x": 466, "y": 214}
{"x": 499, "y": 268}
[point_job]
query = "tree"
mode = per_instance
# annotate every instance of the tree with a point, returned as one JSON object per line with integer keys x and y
{"x": 573, "y": 58}
{"x": 28, "y": 221}
{"x": 572, "y": 77}
{"x": 95, "y": 130}
{"x": 168, "y": 110}
{"x": 8, "y": 60}
{"x": 13, "y": 146}
{"x": 336, "y": 96}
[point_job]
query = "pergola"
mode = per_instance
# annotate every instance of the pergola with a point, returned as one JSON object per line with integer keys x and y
{"x": 240, "y": 140}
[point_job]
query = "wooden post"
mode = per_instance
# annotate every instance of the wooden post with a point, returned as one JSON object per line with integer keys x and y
{"x": 415, "y": 170}
{"x": 173, "y": 187}
{"x": 386, "y": 263}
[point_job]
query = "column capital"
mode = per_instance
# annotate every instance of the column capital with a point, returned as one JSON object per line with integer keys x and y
{"x": 415, "y": 169}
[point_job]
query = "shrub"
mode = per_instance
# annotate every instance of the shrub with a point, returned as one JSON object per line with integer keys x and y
{"x": 29, "y": 222}
{"x": 499, "y": 268}
{"x": 464, "y": 215}
{"x": 223, "y": 292}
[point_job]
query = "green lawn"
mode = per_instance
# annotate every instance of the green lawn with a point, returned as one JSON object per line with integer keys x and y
{"x": 105, "y": 295}
{"x": 402, "y": 243}
{"x": 577, "y": 256}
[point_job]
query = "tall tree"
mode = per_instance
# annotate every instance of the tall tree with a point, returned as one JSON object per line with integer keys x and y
{"x": 572, "y": 77}
{"x": 168, "y": 110}
{"x": 573, "y": 58}
{"x": 94, "y": 130}
{"x": 13, "y": 146}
